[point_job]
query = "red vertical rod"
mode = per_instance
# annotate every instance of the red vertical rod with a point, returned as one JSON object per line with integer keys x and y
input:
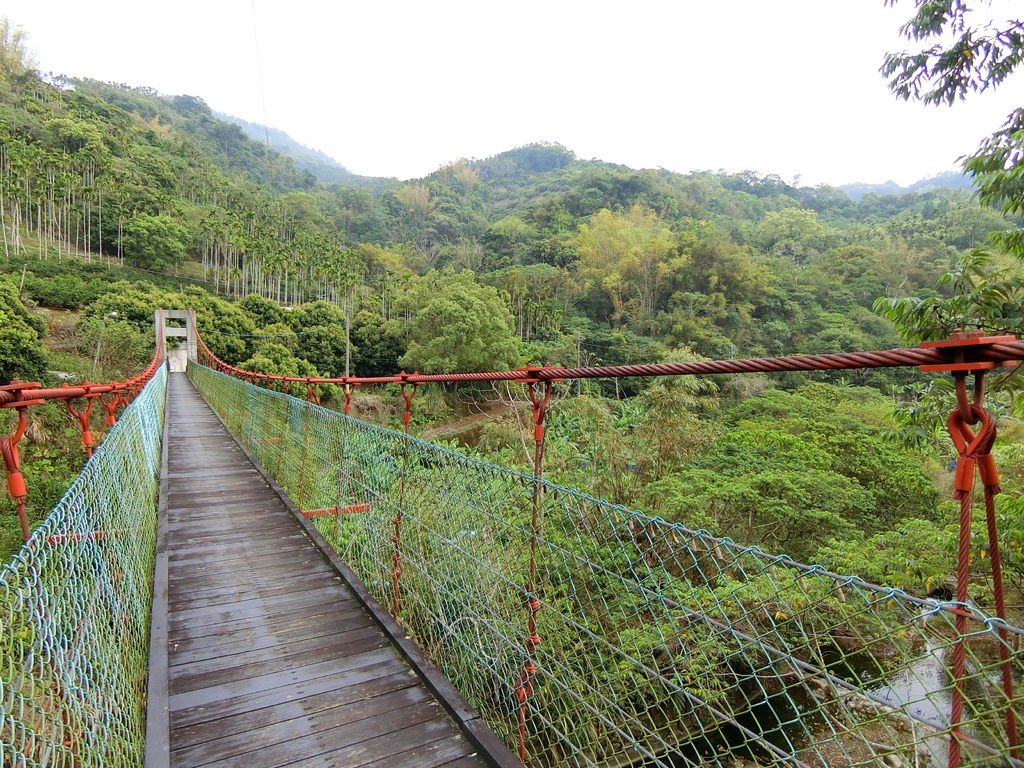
{"x": 1005, "y": 657}
{"x": 83, "y": 418}
{"x": 311, "y": 395}
{"x": 111, "y": 408}
{"x": 303, "y": 456}
{"x": 974, "y": 454}
{"x": 408, "y": 392}
{"x": 524, "y": 689}
{"x": 16, "y": 485}
{"x": 347, "y": 389}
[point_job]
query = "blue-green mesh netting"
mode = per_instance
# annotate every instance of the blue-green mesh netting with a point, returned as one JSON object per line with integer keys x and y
{"x": 661, "y": 645}
{"x": 75, "y": 607}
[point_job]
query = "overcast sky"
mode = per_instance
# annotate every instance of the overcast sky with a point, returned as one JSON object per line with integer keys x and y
{"x": 399, "y": 88}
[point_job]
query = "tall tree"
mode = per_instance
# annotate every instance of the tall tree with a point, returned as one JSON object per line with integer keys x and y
{"x": 459, "y": 325}
{"x": 631, "y": 257}
{"x": 963, "y": 51}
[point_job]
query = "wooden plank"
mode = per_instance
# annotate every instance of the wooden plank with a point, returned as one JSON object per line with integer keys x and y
{"x": 194, "y": 497}
{"x": 251, "y": 722}
{"x": 224, "y": 593}
{"x": 213, "y": 511}
{"x": 236, "y": 656}
{"x": 444, "y": 752}
{"x": 292, "y": 676}
{"x": 184, "y": 589}
{"x": 259, "y": 621}
{"x": 291, "y": 660}
{"x": 209, "y": 646}
{"x": 474, "y": 760}
{"x": 382, "y": 747}
{"x": 289, "y": 566}
{"x": 272, "y": 658}
{"x": 261, "y": 604}
{"x": 330, "y": 680}
{"x": 278, "y": 725}
{"x": 363, "y": 741}
{"x": 240, "y": 556}
{"x": 194, "y": 527}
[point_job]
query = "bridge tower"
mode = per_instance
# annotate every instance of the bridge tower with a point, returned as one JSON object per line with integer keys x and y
{"x": 178, "y": 356}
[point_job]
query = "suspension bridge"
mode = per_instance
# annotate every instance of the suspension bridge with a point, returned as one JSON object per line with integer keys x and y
{"x": 240, "y": 576}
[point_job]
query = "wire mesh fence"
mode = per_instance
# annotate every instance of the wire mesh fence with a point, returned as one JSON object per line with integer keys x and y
{"x": 658, "y": 645}
{"x": 75, "y": 607}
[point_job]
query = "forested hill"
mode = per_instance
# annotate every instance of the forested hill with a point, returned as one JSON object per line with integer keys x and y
{"x": 531, "y": 256}
{"x": 948, "y": 180}
{"x": 321, "y": 165}
{"x": 587, "y": 260}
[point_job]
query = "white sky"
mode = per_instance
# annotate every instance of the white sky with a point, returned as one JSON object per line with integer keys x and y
{"x": 398, "y": 88}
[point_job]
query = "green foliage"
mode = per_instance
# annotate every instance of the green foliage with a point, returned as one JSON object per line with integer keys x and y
{"x": 630, "y": 259}
{"x": 965, "y": 52}
{"x": 15, "y": 59}
{"x": 377, "y": 345}
{"x": 21, "y": 351}
{"x": 986, "y": 293}
{"x": 114, "y": 346}
{"x": 263, "y": 311}
{"x": 155, "y": 242}
{"x": 132, "y": 303}
{"x": 915, "y": 555}
{"x": 962, "y": 53}
{"x": 795, "y": 469}
{"x": 324, "y": 347}
{"x": 725, "y": 264}
{"x": 459, "y": 325}
{"x": 276, "y": 359}
{"x": 235, "y": 329}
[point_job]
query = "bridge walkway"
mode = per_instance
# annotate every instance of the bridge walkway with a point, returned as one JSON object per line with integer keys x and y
{"x": 272, "y": 657}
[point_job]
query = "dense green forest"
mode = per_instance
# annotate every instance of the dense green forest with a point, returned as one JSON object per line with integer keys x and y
{"x": 117, "y": 200}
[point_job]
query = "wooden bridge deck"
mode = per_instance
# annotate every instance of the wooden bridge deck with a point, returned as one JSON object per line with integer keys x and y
{"x": 272, "y": 657}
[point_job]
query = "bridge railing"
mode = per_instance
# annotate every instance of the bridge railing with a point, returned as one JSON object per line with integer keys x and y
{"x": 75, "y": 608}
{"x": 604, "y": 636}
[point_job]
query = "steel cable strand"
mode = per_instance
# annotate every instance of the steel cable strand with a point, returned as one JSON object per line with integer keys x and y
{"x": 971, "y": 447}
{"x": 995, "y": 352}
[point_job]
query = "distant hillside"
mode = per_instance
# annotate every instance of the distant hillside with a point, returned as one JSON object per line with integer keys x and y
{"x": 320, "y": 164}
{"x": 590, "y": 258}
{"x": 947, "y": 180}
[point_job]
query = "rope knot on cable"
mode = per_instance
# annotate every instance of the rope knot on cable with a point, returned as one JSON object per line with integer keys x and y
{"x": 974, "y": 449}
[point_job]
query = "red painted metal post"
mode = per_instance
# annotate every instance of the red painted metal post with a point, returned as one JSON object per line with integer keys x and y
{"x": 347, "y": 388}
{"x": 16, "y": 485}
{"x": 84, "y": 417}
{"x": 311, "y": 393}
{"x": 408, "y": 392}
{"x": 540, "y": 403}
{"x": 303, "y": 454}
{"x": 974, "y": 455}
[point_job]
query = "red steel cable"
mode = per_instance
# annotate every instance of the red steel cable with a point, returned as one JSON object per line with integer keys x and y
{"x": 991, "y": 354}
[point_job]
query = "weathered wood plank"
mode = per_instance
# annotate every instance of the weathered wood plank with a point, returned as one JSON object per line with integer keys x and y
{"x": 330, "y": 681}
{"x": 364, "y": 741}
{"x": 444, "y": 752}
{"x": 381, "y": 749}
{"x": 291, "y": 662}
{"x": 253, "y": 720}
{"x": 276, "y": 726}
{"x": 272, "y": 659}
{"x": 231, "y": 658}
{"x": 331, "y": 621}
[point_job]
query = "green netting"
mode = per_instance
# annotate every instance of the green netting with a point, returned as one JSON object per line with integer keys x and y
{"x": 75, "y": 606}
{"x": 661, "y": 645}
